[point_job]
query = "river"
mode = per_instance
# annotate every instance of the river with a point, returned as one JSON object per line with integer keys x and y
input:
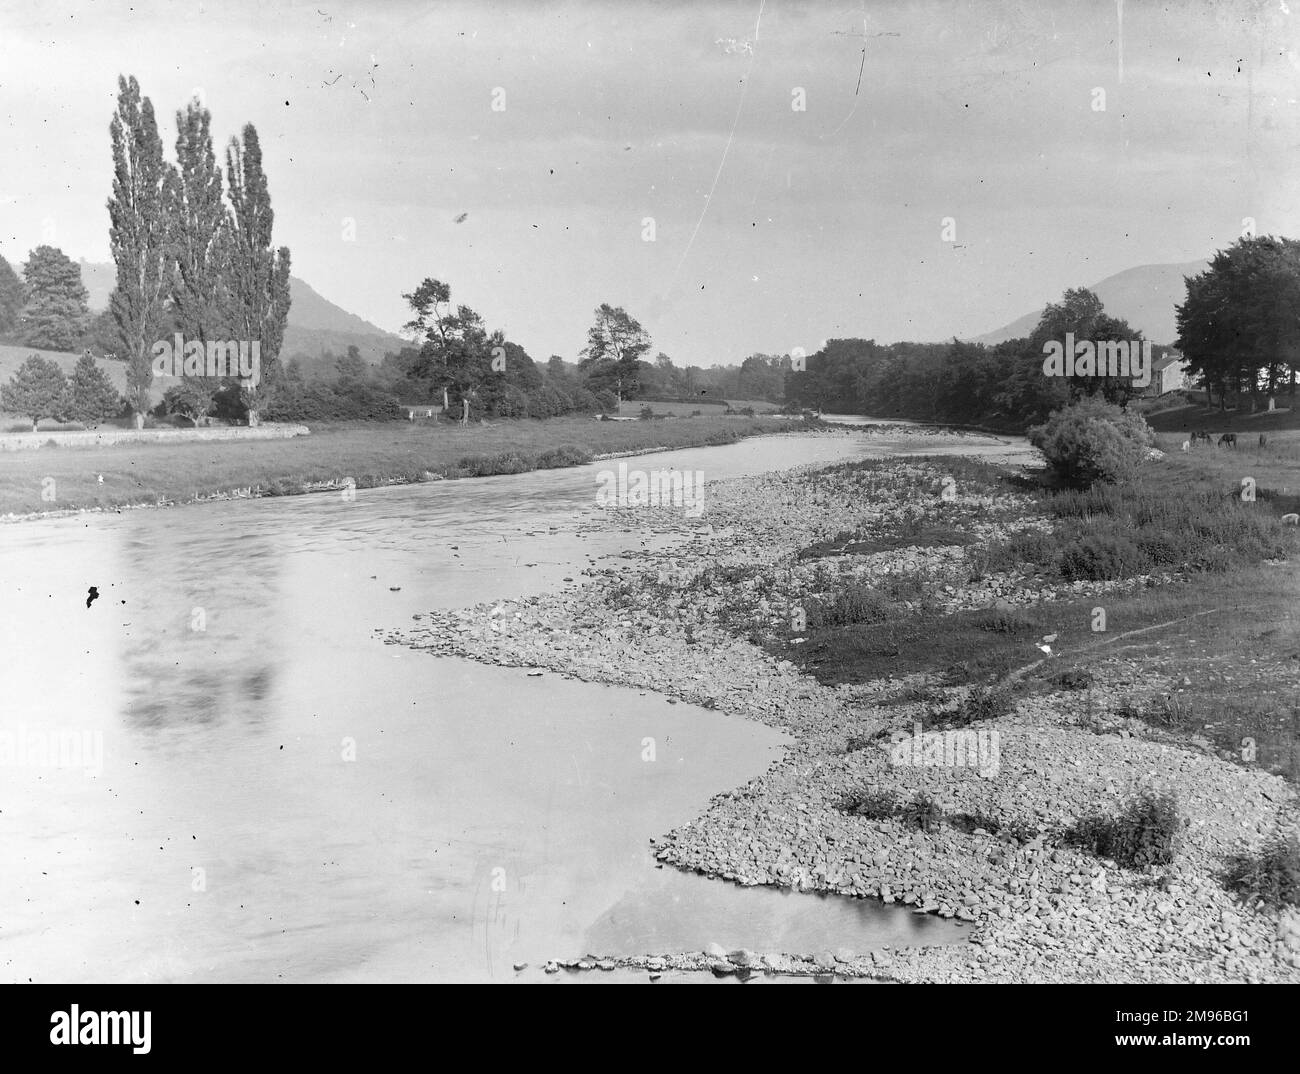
{"x": 250, "y": 786}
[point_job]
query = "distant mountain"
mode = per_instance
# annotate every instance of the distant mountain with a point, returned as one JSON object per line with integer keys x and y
{"x": 1143, "y": 296}
{"x": 315, "y": 323}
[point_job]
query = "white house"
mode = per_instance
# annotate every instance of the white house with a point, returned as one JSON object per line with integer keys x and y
{"x": 1168, "y": 374}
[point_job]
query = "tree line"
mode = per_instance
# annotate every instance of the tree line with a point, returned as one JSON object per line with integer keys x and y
{"x": 1238, "y": 333}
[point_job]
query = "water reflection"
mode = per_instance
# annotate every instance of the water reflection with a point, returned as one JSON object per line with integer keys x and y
{"x": 198, "y": 640}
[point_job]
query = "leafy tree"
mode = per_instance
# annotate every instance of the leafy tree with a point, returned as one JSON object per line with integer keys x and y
{"x": 258, "y": 301}
{"x": 39, "y": 390}
{"x": 557, "y": 369}
{"x": 762, "y": 376}
{"x": 54, "y": 314}
{"x": 140, "y": 211}
{"x": 1081, "y": 312}
{"x": 457, "y": 352}
{"x": 11, "y": 299}
{"x": 91, "y": 396}
{"x": 1240, "y": 322}
{"x": 190, "y": 398}
{"x": 351, "y": 368}
{"x": 616, "y": 342}
{"x": 100, "y": 335}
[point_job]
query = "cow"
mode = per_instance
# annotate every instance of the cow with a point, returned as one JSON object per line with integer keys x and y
{"x": 1197, "y": 437}
{"x": 1291, "y": 520}
{"x": 1228, "y": 439}
{"x": 1263, "y": 440}
{"x": 1186, "y": 444}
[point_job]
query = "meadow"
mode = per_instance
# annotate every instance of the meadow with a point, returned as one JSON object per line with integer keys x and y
{"x": 369, "y": 453}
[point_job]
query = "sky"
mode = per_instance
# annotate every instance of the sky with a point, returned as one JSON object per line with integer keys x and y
{"x": 741, "y": 177}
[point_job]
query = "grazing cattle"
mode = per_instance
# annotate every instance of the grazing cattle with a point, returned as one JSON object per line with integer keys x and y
{"x": 1291, "y": 520}
{"x": 1186, "y": 445}
{"x": 1263, "y": 440}
{"x": 1200, "y": 436}
{"x": 1230, "y": 439}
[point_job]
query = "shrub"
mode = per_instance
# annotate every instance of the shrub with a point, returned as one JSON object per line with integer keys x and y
{"x": 1092, "y": 441}
{"x": 983, "y": 703}
{"x": 874, "y": 805}
{"x": 856, "y": 603}
{"x": 1272, "y": 874}
{"x": 1101, "y": 557}
{"x": 1072, "y": 679}
{"x": 921, "y": 812}
{"x": 646, "y": 413}
{"x": 564, "y": 455}
{"x": 586, "y": 401}
{"x": 1145, "y": 833}
{"x": 999, "y": 622}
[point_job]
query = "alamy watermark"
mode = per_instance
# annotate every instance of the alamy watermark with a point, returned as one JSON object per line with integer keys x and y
{"x": 240, "y": 358}
{"x": 657, "y": 488}
{"x": 965, "y": 748}
{"x": 1107, "y": 358}
{"x": 59, "y": 747}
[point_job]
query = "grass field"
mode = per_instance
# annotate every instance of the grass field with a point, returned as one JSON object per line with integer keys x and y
{"x": 372, "y": 454}
{"x": 1190, "y": 419}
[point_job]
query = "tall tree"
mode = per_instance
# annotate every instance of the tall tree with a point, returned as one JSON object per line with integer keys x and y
{"x": 201, "y": 242}
{"x": 54, "y": 314}
{"x": 615, "y": 344}
{"x": 140, "y": 211}
{"x": 455, "y": 358}
{"x": 11, "y": 299}
{"x": 258, "y": 300}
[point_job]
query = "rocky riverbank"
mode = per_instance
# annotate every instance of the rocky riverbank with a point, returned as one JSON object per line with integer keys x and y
{"x": 689, "y": 621}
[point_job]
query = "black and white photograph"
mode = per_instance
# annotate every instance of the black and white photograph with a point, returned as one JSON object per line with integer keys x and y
{"x": 587, "y": 492}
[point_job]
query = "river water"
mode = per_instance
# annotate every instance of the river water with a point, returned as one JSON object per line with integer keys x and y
{"x": 215, "y": 771}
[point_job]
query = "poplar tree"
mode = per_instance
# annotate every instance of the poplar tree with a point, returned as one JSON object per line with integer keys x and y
{"x": 258, "y": 279}
{"x": 140, "y": 211}
{"x": 201, "y": 242}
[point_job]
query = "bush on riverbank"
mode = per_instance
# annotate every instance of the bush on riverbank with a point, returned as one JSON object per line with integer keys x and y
{"x": 1093, "y": 441}
{"x": 1271, "y": 874}
{"x": 1145, "y": 833}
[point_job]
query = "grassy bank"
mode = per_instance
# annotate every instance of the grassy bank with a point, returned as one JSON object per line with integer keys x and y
{"x": 1193, "y": 585}
{"x": 370, "y": 454}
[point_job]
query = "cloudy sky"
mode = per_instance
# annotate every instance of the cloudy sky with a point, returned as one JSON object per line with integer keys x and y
{"x": 655, "y": 155}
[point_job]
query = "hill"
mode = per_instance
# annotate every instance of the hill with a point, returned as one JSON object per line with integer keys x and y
{"x": 1144, "y": 296}
{"x": 315, "y": 323}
